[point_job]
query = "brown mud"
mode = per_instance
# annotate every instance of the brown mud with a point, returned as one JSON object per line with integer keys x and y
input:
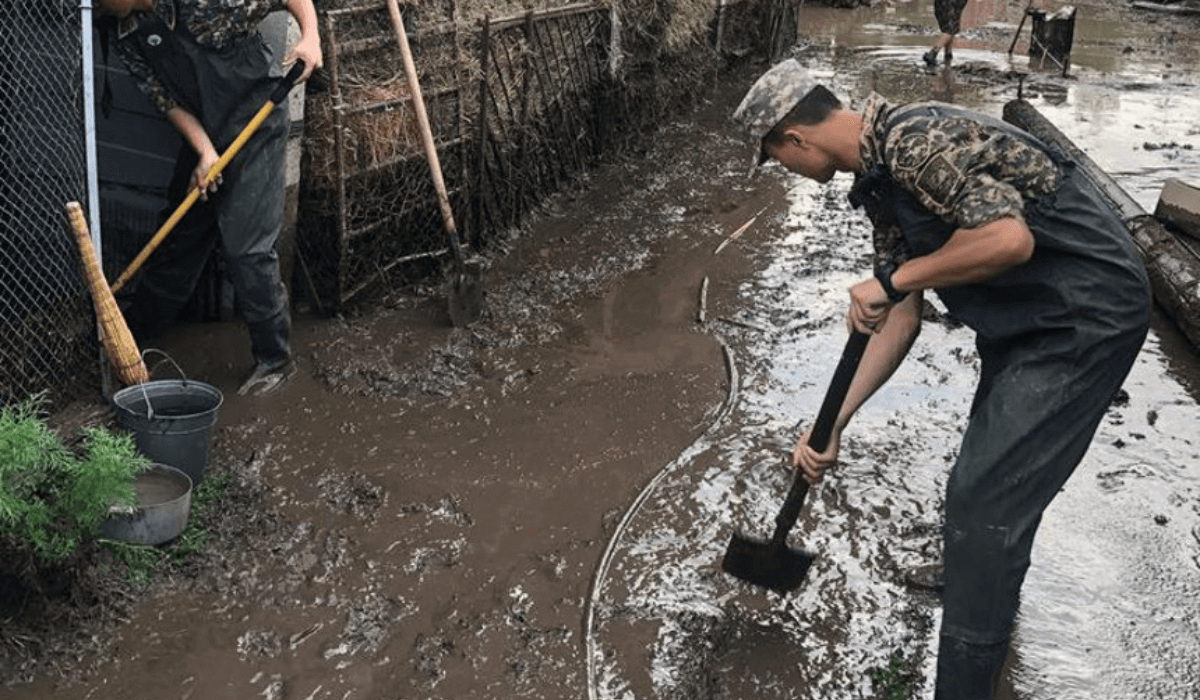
{"x": 428, "y": 503}
{"x": 422, "y": 511}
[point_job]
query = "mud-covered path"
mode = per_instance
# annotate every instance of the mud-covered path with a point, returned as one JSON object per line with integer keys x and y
{"x": 430, "y": 503}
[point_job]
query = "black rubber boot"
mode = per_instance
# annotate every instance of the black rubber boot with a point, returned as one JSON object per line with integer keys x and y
{"x": 968, "y": 671}
{"x": 269, "y": 340}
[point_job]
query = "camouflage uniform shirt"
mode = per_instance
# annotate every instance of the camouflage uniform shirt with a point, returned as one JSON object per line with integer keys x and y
{"x": 216, "y": 24}
{"x": 963, "y": 171}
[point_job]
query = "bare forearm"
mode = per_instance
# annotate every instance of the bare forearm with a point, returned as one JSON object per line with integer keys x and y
{"x": 308, "y": 49}
{"x": 885, "y": 351}
{"x": 306, "y": 16}
{"x": 192, "y": 131}
{"x": 971, "y": 255}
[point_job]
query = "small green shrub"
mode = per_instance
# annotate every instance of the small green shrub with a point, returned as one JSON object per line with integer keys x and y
{"x": 893, "y": 681}
{"x": 50, "y": 497}
{"x": 194, "y": 538}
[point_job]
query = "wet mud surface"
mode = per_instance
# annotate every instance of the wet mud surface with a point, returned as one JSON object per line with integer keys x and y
{"x": 537, "y": 506}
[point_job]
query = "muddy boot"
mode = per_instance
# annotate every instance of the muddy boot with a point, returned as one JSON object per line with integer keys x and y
{"x": 949, "y": 56}
{"x": 264, "y": 379}
{"x": 272, "y": 356}
{"x": 930, "y": 57}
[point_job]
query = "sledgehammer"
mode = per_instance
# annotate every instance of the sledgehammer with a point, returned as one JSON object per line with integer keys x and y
{"x": 772, "y": 564}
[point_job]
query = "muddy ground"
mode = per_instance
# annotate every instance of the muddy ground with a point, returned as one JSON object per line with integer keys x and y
{"x": 419, "y": 512}
{"x": 429, "y": 512}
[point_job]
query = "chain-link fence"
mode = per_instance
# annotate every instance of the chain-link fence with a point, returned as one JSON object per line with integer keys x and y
{"x": 47, "y": 331}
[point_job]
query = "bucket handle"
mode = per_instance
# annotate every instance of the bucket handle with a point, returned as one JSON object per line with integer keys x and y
{"x": 167, "y": 358}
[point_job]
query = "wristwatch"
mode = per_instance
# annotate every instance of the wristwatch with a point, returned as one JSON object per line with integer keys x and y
{"x": 883, "y": 273}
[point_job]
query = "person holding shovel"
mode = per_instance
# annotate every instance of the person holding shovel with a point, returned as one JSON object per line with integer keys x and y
{"x": 204, "y": 64}
{"x": 1021, "y": 248}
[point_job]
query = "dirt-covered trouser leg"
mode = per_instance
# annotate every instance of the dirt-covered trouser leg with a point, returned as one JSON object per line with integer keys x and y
{"x": 250, "y": 220}
{"x": 162, "y": 288}
{"x": 1035, "y": 412}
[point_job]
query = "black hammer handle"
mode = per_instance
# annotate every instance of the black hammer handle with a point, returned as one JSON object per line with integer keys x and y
{"x": 856, "y": 344}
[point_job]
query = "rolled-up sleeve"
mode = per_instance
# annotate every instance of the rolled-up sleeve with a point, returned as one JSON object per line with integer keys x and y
{"x": 983, "y": 199}
{"x": 147, "y": 82}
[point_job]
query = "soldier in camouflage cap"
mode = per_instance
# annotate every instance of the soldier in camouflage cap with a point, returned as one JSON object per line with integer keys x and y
{"x": 770, "y": 99}
{"x": 1021, "y": 248}
{"x": 203, "y": 64}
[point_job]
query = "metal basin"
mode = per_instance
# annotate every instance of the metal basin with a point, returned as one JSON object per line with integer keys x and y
{"x": 164, "y": 500}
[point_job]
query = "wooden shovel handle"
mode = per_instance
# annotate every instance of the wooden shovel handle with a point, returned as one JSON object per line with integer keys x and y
{"x": 410, "y": 72}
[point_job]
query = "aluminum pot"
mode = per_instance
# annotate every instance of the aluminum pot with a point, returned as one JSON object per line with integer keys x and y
{"x": 164, "y": 496}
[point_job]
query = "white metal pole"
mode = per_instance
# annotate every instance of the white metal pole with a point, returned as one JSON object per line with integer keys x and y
{"x": 89, "y": 126}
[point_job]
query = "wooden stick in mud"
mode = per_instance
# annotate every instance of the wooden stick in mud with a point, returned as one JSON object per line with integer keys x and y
{"x": 740, "y": 230}
{"x": 701, "y": 316}
{"x": 742, "y": 324}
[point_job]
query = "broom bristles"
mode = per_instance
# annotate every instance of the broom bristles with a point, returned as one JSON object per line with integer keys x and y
{"x": 118, "y": 341}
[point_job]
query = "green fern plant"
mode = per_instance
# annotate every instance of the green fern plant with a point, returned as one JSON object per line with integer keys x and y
{"x": 51, "y": 497}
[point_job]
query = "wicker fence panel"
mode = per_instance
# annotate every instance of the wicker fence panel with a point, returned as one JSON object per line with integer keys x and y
{"x": 509, "y": 106}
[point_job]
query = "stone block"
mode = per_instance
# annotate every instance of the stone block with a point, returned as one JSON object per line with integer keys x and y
{"x": 1179, "y": 207}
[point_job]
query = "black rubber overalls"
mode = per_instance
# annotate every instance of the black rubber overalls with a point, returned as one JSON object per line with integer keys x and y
{"x": 1056, "y": 338}
{"x": 223, "y": 90}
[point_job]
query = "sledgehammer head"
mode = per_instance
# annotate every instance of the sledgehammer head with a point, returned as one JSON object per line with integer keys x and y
{"x": 768, "y": 564}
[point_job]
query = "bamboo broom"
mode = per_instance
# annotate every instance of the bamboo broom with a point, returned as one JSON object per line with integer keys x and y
{"x": 118, "y": 342}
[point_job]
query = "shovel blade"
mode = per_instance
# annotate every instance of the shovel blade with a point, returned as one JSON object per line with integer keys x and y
{"x": 466, "y": 295}
{"x": 777, "y": 568}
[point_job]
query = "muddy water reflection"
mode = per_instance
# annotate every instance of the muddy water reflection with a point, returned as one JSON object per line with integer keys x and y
{"x": 1108, "y": 609}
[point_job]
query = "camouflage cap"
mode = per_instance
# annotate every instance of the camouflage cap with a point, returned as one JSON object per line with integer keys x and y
{"x": 771, "y": 97}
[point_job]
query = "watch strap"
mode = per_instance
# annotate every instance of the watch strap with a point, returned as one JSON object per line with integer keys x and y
{"x": 883, "y": 273}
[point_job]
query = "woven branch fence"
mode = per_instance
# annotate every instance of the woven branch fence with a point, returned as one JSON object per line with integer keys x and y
{"x": 520, "y": 106}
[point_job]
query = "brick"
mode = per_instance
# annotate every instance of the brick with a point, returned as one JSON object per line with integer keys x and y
{"x": 1179, "y": 207}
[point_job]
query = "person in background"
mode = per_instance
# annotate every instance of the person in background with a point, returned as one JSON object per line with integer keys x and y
{"x": 948, "y": 14}
{"x": 206, "y": 67}
{"x": 1022, "y": 249}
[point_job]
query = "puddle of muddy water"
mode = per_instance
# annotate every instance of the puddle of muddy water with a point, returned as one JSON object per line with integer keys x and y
{"x": 1108, "y": 609}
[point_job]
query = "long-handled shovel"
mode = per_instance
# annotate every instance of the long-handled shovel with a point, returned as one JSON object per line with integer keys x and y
{"x": 773, "y": 564}
{"x": 1020, "y": 26}
{"x": 279, "y": 94}
{"x": 466, "y": 289}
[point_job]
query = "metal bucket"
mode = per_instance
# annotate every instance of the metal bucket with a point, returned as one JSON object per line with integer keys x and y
{"x": 164, "y": 496}
{"x": 171, "y": 420}
{"x": 1052, "y": 37}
